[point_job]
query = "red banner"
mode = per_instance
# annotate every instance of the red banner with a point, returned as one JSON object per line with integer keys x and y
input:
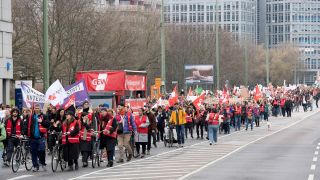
{"x": 103, "y": 81}
{"x": 135, "y": 104}
{"x": 135, "y": 82}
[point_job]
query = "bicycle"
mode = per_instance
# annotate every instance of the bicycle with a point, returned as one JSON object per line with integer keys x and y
{"x": 96, "y": 150}
{"x": 57, "y": 155}
{"x": 22, "y": 155}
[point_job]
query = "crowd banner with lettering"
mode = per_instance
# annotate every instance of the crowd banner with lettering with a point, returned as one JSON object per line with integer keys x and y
{"x": 135, "y": 83}
{"x": 77, "y": 92}
{"x": 31, "y": 96}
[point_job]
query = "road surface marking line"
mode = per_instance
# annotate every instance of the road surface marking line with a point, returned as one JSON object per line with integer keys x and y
{"x": 127, "y": 178}
{"x": 145, "y": 168}
{"x": 145, "y": 173}
{"x": 20, "y": 177}
{"x": 311, "y": 177}
{"x": 240, "y": 148}
{"x": 318, "y": 147}
{"x": 319, "y": 144}
{"x": 155, "y": 156}
{"x": 315, "y": 159}
{"x": 313, "y": 167}
{"x": 316, "y": 153}
{"x": 148, "y": 170}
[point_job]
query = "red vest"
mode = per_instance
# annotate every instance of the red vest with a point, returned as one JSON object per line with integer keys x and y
{"x": 108, "y": 128}
{"x": 282, "y": 102}
{"x": 275, "y": 102}
{"x": 72, "y": 140}
{"x": 140, "y": 121}
{"x": 189, "y": 119}
{"x": 213, "y": 119}
{"x": 18, "y": 127}
{"x": 238, "y": 110}
{"x": 89, "y": 133}
{"x": 249, "y": 113}
{"x": 261, "y": 108}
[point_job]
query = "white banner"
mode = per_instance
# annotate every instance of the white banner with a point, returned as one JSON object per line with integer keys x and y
{"x": 31, "y": 96}
{"x": 56, "y": 94}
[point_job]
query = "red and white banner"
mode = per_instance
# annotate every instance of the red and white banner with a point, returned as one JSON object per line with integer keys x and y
{"x": 135, "y": 82}
{"x": 174, "y": 96}
{"x": 199, "y": 101}
{"x": 135, "y": 104}
{"x": 103, "y": 81}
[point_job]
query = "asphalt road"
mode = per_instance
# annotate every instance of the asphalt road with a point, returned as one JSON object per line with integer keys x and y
{"x": 291, "y": 154}
{"x": 283, "y": 152}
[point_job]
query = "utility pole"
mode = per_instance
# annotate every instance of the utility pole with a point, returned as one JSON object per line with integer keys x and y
{"x": 246, "y": 81}
{"x": 267, "y": 55}
{"x": 45, "y": 47}
{"x": 217, "y": 46}
{"x": 163, "y": 50}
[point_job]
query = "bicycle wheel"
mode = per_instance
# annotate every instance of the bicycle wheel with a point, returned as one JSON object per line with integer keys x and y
{"x": 94, "y": 155}
{"x": 54, "y": 160}
{"x": 63, "y": 164}
{"x": 28, "y": 160}
{"x": 16, "y": 160}
{"x": 170, "y": 138}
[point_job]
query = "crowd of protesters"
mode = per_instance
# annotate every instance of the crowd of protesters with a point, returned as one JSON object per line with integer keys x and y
{"x": 116, "y": 127}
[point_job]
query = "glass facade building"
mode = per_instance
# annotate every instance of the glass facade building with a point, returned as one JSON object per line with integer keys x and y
{"x": 297, "y": 22}
{"x": 236, "y": 16}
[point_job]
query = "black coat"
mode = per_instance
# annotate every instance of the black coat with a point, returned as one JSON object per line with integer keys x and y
{"x": 107, "y": 141}
{"x": 85, "y": 145}
{"x": 45, "y": 123}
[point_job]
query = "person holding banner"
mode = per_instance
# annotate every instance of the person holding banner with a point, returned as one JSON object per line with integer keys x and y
{"x": 37, "y": 132}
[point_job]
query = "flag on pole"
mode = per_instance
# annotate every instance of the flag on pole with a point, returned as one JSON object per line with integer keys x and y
{"x": 198, "y": 102}
{"x": 71, "y": 101}
{"x": 56, "y": 93}
{"x": 173, "y": 97}
{"x": 257, "y": 95}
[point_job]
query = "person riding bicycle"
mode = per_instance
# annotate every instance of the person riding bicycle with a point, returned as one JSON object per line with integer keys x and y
{"x": 13, "y": 129}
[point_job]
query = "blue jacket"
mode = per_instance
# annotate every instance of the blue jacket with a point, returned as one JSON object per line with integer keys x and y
{"x": 127, "y": 118}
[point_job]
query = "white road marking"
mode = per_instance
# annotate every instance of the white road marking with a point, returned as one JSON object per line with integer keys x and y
{"x": 152, "y": 157}
{"x": 318, "y": 147}
{"x": 313, "y": 167}
{"x": 148, "y": 167}
{"x": 20, "y": 177}
{"x": 316, "y": 153}
{"x": 315, "y": 159}
{"x": 311, "y": 176}
{"x": 134, "y": 170}
{"x": 128, "y": 178}
{"x": 238, "y": 149}
{"x": 319, "y": 144}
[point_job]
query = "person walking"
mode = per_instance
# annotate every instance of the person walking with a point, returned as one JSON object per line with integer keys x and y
{"x": 200, "y": 117}
{"x": 161, "y": 120}
{"x": 237, "y": 117}
{"x": 3, "y": 136}
{"x": 126, "y": 126}
{"x": 109, "y": 136}
{"x": 152, "y": 128}
{"x": 37, "y": 131}
{"x": 142, "y": 122}
{"x": 282, "y": 103}
{"x": 213, "y": 126}
{"x": 71, "y": 140}
{"x": 249, "y": 119}
{"x": 288, "y": 105}
{"x": 178, "y": 118}
{"x": 85, "y": 138}
{"x": 189, "y": 122}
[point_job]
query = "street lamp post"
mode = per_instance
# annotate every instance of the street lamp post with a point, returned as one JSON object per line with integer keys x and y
{"x": 163, "y": 49}
{"x": 217, "y": 45}
{"x": 45, "y": 47}
{"x": 267, "y": 55}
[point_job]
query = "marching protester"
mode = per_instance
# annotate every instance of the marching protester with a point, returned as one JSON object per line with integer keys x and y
{"x": 109, "y": 136}
{"x": 256, "y": 114}
{"x": 37, "y": 131}
{"x": 71, "y": 140}
{"x": 250, "y": 117}
{"x": 3, "y": 136}
{"x": 213, "y": 126}
{"x": 85, "y": 138}
{"x": 178, "y": 118}
{"x": 13, "y": 129}
{"x": 161, "y": 120}
{"x": 200, "y": 117}
{"x": 237, "y": 117}
{"x": 288, "y": 105}
{"x": 142, "y": 123}
{"x": 189, "y": 122}
{"x": 152, "y": 128}
{"x": 126, "y": 126}
{"x": 52, "y": 116}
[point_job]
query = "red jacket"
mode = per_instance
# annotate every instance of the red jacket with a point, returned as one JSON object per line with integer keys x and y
{"x": 71, "y": 139}
{"x": 139, "y": 121}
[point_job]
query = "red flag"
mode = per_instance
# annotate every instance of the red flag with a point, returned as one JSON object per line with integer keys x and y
{"x": 190, "y": 92}
{"x": 197, "y": 102}
{"x": 258, "y": 93}
{"x": 173, "y": 97}
{"x": 70, "y": 102}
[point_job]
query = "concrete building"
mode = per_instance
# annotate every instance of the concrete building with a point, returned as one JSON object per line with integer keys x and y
{"x": 6, "y": 68}
{"x": 296, "y": 22}
{"x": 130, "y": 4}
{"x": 236, "y": 16}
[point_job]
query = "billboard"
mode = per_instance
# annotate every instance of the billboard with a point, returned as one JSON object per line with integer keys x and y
{"x": 198, "y": 74}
